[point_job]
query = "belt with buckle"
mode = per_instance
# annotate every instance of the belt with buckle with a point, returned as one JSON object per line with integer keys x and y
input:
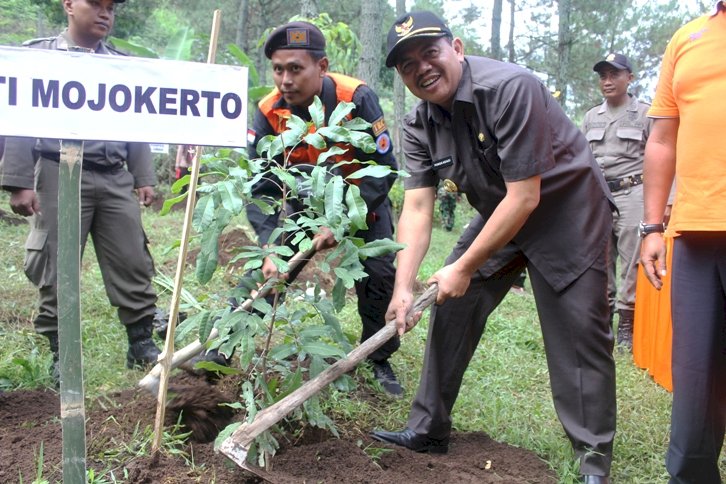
{"x": 625, "y": 182}
{"x": 87, "y": 165}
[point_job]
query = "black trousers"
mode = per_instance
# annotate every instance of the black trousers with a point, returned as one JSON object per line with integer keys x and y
{"x": 578, "y": 344}
{"x": 698, "y": 307}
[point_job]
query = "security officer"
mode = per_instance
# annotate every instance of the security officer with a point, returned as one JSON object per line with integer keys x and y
{"x": 617, "y": 131}
{"x": 300, "y": 70}
{"x": 109, "y": 210}
{"x": 447, "y": 207}
{"x": 493, "y": 131}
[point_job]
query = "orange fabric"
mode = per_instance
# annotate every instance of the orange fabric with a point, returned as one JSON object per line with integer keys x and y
{"x": 653, "y": 332}
{"x": 277, "y": 117}
{"x": 691, "y": 87}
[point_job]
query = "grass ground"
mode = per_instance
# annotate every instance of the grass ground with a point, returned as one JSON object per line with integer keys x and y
{"x": 505, "y": 392}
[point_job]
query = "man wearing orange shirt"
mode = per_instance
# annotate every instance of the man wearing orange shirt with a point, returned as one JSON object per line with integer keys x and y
{"x": 686, "y": 141}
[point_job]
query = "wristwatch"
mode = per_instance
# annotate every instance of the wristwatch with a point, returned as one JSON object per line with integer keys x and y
{"x": 645, "y": 229}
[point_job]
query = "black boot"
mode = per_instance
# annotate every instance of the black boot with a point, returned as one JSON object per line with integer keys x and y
{"x": 142, "y": 350}
{"x": 625, "y": 328}
{"x": 54, "y": 369}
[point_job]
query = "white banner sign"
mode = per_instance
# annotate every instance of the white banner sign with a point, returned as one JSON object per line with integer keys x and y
{"x": 68, "y": 95}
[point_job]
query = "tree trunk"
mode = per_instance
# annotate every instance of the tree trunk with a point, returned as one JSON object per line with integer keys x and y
{"x": 496, "y": 42}
{"x": 399, "y": 102}
{"x": 512, "y": 51}
{"x": 308, "y": 9}
{"x": 240, "y": 37}
{"x": 370, "y": 39}
{"x": 564, "y": 47}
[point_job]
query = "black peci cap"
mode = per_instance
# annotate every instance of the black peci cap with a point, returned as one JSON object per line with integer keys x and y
{"x": 295, "y": 35}
{"x": 618, "y": 61}
{"x": 411, "y": 26}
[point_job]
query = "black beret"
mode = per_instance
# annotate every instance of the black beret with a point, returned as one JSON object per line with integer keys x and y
{"x": 295, "y": 35}
{"x": 410, "y": 26}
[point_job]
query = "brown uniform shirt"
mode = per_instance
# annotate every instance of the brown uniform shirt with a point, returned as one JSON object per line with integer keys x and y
{"x": 618, "y": 141}
{"x": 505, "y": 125}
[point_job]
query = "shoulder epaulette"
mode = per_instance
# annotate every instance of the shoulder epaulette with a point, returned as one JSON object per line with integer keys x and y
{"x": 37, "y": 41}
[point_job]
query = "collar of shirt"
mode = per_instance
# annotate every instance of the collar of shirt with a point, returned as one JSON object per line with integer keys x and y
{"x": 64, "y": 42}
{"x": 632, "y": 105}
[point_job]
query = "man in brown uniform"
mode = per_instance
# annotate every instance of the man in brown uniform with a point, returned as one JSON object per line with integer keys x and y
{"x": 109, "y": 209}
{"x": 617, "y": 131}
{"x": 494, "y": 132}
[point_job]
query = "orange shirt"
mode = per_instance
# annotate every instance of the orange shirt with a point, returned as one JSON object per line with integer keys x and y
{"x": 692, "y": 87}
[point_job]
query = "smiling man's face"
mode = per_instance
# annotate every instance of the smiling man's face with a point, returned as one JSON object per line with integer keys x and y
{"x": 431, "y": 68}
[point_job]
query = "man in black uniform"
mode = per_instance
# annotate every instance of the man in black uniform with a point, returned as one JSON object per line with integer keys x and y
{"x": 492, "y": 131}
{"x": 300, "y": 69}
{"x": 109, "y": 210}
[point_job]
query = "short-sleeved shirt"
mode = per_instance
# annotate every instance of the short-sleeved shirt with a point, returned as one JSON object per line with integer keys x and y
{"x": 506, "y": 126}
{"x": 17, "y": 168}
{"x": 692, "y": 87}
{"x": 618, "y": 140}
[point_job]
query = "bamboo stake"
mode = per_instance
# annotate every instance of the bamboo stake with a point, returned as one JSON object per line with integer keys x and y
{"x": 165, "y": 358}
{"x": 72, "y": 407}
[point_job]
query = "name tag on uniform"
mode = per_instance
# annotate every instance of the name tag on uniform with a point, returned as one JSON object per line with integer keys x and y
{"x": 443, "y": 163}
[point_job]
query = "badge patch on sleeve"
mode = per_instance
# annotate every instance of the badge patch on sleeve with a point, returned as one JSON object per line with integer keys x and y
{"x": 443, "y": 163}
{"x": 383, "y": 143}
{"x": 379, "y": 126}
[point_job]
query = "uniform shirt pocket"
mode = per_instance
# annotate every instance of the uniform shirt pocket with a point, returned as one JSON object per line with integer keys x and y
{"x": 629, "y": 133}
{"x": 595, "y": 134}
{"x": 37, "y": 258}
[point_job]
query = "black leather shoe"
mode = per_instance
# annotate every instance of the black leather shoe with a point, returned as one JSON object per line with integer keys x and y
{"x": 413, "y": 441}
{"x": 589, "y": 479}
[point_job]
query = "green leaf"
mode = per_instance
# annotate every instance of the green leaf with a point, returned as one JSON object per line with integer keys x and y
{"x": 362, "y": 141}
{"x": 207, "y": 257}
{"x": 245, "y": 61}
{"x": 339, "y": 295}
{"x": 180, "y": 45}
{"x": 334, "y": 199}
{"x": 257, "y": 93}
{"x": 286, "y": 178}
{"x": 264, "y": 207}
{"x": 225, "y": 434}
{"x": 296, "y": 129}
{"x": 379, "y": 247}
{"x": 315, "y": 140}
{"x": 340, "y": 112}
{"x": 334, "y": 150}
{"x": 337, "y": 134}
{"x": 170, "y": 202}
{"x": 135, "y": 49}
{"x": 282, "y": 352}
{"x": 230, "y": 197}
{"x": 357, "y": 209}
{"x": 317, "y": 112}
{"x": 373, "y": 171}
{"x": 324, "y": 350}
{"x": 205, "y": 326}
{"x": 204, "y": 213}
{"x": 358, "y": 124}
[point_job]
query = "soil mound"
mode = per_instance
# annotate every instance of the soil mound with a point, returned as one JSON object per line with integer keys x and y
{"x": 30, "y": 419}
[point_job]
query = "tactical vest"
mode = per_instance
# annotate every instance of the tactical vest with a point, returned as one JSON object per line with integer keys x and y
{"x": 303, "y": 153}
